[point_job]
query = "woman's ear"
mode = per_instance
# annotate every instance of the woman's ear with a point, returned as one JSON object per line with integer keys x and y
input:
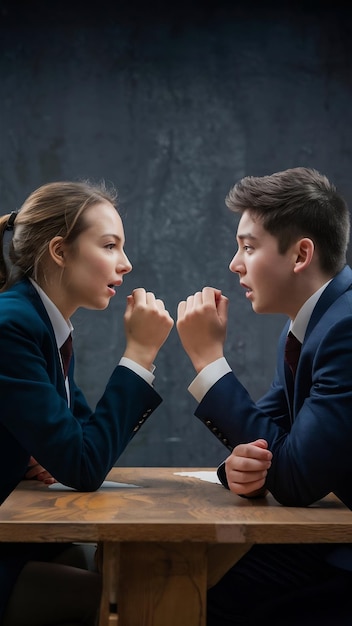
{"x": 57, "y": 251}
{"x": 305, "y": 253}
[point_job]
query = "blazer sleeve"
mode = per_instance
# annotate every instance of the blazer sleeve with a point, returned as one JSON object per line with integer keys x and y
{"x": 77, "y": 446}
{"x": 311, "y": 455}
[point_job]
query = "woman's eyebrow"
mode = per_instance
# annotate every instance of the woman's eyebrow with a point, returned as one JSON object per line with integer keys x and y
{"x": 117, "y": 237}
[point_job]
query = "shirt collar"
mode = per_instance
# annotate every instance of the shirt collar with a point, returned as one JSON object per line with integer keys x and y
{"x": 299, "y": 325}
{"x": 61, "y": 327}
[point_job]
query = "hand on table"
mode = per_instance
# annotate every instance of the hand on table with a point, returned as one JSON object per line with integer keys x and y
{"x": 36, "y": 472}
{"x": 247, "y": 467}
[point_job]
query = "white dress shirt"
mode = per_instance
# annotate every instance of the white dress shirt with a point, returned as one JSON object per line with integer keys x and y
{"x": 62, "y": 329}
{"x": 210, "y": 374}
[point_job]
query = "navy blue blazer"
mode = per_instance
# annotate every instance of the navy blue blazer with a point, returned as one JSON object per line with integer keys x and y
{"x": 76, "y": 445}
{"x": 308, "y": 428}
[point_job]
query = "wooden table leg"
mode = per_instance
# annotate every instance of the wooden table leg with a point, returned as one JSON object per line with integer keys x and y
{"x": 110, "y": 572}
{"x": 162, "y": 584}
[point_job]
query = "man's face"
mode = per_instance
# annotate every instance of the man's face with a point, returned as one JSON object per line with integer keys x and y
{"x": 267, "y": 275}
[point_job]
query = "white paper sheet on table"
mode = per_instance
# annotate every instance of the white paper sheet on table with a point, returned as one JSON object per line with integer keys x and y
{"x": 209, "y": 476}
{"x": 107, "y": 484}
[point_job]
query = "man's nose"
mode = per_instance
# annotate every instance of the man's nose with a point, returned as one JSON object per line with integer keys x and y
{"x": 236, "y": 265}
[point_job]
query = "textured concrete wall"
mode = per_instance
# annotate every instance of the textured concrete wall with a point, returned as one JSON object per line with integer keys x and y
{"x": 173, "y": 105}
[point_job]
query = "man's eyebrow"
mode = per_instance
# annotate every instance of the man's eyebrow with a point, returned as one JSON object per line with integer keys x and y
{"x": 246, "y": 236}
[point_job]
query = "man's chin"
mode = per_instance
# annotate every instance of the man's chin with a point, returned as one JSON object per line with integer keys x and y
{"x": 257, "y": 308}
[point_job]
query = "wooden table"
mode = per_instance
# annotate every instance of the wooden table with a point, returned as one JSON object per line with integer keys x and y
{"x": 167, "y": 537}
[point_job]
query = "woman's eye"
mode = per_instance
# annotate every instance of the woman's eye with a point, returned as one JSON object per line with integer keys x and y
{"x": 110, "y": 246}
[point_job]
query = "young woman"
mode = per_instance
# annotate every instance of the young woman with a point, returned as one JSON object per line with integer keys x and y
{"x": 64, "y": 249}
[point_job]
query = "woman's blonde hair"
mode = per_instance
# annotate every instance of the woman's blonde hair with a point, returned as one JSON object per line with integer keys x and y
{"x": 54, "y": 209}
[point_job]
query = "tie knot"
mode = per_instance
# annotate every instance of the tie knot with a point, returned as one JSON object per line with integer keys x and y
{"x": 66, "y": 354}
{"x": 292, "y": 352}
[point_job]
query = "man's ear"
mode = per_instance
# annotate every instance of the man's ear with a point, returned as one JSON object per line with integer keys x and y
{"x": 57, "y": 251}
{"x": 305, "y": 249}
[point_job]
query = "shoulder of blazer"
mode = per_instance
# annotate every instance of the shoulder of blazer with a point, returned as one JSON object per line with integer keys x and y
{"x": 22, "y": 303}
{"x": 339, "y": 285}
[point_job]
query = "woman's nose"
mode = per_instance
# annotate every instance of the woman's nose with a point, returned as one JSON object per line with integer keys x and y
{"x": 127, "y": 265}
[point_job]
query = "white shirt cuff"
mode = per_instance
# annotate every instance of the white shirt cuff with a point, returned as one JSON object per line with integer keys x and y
{"x": 138, "y": 369}
{"x": 207, "y": 377}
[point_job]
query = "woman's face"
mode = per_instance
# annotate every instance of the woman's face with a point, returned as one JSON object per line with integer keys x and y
{"x": 95, "y": 264}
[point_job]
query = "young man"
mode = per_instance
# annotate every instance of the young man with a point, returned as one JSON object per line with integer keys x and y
{"x": 296, "y": 441}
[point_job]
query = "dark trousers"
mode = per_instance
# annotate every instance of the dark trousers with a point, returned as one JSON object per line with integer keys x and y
{"x": 290, "y": 585}
{"x": 49, "y": 584}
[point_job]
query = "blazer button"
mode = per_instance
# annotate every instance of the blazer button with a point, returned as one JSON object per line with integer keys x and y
{"x": 208, "y": 423}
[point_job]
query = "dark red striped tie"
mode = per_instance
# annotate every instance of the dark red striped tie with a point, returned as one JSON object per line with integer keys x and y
{"x": 292, "y": 352}
{"x": 66, "y": 354}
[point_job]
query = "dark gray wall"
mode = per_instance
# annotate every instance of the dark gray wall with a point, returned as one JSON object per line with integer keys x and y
{"x": 173, "y": 104}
